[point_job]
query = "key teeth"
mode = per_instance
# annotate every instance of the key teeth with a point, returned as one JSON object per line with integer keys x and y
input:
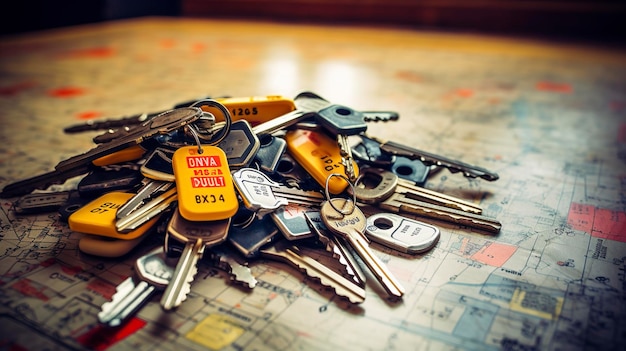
{"x": 324, "y": 282}
{"x": 121, "y": 292}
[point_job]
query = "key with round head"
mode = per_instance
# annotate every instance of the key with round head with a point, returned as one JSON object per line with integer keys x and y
{"x": 389, "y": 193}
{"x": 343, "y": 217}
{"x": 196, "y": 236}
{"x": 154, "y": 271}
{"x": 376, "y": 184}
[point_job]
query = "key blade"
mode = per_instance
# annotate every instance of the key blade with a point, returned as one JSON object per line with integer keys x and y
{"x": 42, "y": 181}
{"x": 413, "y": 191}
{"x": 161, "y": 124}
{"x": 313, "y": 269}
{"x": 127, "y": 300}
{"x": 239, "y": 272}
{"x": 428, "y": 159}
{"x": 380, "y": 116}
{"x": 108, "y": 123}
{"x": 402, "y": 204}
{"x": 186, "y": 269}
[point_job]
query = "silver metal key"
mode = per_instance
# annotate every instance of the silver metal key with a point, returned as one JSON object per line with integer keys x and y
{"x": 228, "y": 260}
{"x": 283, "y": 251}
{"x": 263, "y": 195}
{"x": 429, "y": 159}
{"x": 343, "y": 122}
{"x": 154, "y": 271}
{"x": 350, "y": 223}
{"x": 149, "y": 189}
{"x": 388, "y": 194}
{"x": 196, "y": 236}
{"x": 150, "y": 209}
{"x": 376, "y": 184}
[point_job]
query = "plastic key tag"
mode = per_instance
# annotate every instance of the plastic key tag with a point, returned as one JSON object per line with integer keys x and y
{"x": 401, "y": 233}
{"x": 320, "y": 156}
{"x": 98, "y": 217}
{"x": 205, "y": 186}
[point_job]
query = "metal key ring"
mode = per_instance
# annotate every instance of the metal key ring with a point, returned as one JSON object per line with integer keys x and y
{"x": 227, "y": 118}
{"x": 327, "y": 193}
{"x": 194, "y": 132}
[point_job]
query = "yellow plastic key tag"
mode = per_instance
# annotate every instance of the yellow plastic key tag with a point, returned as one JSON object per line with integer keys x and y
{"x": 98, "y": 217}
{"x": 320, "y": 156}
{"x": 205, "y": 186}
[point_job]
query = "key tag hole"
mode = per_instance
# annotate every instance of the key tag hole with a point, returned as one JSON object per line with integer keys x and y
{"x": 383, "y": 223}
{"x": 343, "y": 111}
{"x": 343, "y": 211}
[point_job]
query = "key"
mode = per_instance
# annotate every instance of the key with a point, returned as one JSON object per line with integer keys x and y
{"x": 411, "y": 170}
{"x": 307, "y": 107}
{"x": 351, "y": 226}
{"x": 248, "y": 240}
{"x": 120, "y": 122}
{"x": 293, "y": 175}
{"x": 98, "y": 218}
{"x": 320, "y": 156}
{"x": 154, "y": 271}
{"x": 401, "y": 233}
{"x": 149, "y": 189}
{"x": 150, "y": 209}
{"x": 283, "y": 251}
{"x": 262, "y": 195}
{"x": 291, "y": 222}
{"x": 106, "y": 179}
{"x": 81, "y": 164}
{"x": 41, "y": 202}
{"x": 397, "y": 195}
{"x": 196, "y": 235}
{"x": 240, "y": 145}
{"x": 336, "y": 245}
{"x": 270, "y": 152}
{"x": 428, "y": 159}
{"x": 158, "y": 165}
{"x": 343, "y": 121}
{"x": 368, "y": 151}
{"x": 378, "y": 184}
{"x": 227, "y": 259}
{"x": 204, "y": 183}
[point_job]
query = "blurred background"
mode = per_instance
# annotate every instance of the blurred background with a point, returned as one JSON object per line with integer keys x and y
{"x": 587, "y": 20}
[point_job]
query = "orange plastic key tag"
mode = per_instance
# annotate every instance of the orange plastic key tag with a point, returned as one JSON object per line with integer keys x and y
{"x": 205, "y": 186}
{"x": 98, "y": 217}
{"x": 320, "y": 156}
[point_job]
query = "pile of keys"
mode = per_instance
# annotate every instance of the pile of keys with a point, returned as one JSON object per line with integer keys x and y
{"x": 234, "y": 180}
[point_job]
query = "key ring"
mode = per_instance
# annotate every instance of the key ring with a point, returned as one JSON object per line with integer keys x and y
{"x": 327, "y": 193}
{"x": 194, "y": 132}
{"x": 227, "y": 118}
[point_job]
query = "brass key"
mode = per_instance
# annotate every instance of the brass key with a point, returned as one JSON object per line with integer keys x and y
{"x": 351, "y": 225}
